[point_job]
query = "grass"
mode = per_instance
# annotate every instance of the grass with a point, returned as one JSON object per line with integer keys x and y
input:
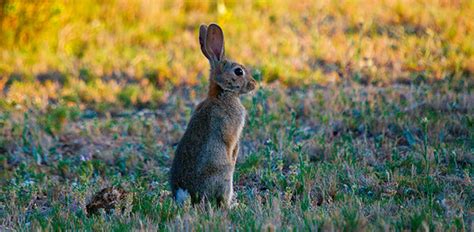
{"x": 352, "y": 157}
{"x": 363, "y": 119}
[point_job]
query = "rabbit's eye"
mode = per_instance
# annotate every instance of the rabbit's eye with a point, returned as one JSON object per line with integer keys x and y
{"x": 238, "y": 72}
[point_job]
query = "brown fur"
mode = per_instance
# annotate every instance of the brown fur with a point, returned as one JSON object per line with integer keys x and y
{"x": 205, "y": 157}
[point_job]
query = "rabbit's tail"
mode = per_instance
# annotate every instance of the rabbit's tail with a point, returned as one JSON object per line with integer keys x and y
{"x": 181, "y": 196}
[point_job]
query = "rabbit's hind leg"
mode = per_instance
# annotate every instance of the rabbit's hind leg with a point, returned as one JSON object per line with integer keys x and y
{"x": 222, "y": 191}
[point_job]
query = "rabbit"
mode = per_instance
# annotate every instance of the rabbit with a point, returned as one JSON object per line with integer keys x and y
{"x": 205, "y": 157}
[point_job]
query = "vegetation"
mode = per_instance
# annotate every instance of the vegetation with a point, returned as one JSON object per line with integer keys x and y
{"x": 363, "y": 119}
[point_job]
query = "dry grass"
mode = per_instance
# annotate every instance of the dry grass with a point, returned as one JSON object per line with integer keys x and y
{"x": 323, "y": 41}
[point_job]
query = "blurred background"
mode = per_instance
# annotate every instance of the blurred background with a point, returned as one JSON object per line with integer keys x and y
{"x": 129, "y": 52}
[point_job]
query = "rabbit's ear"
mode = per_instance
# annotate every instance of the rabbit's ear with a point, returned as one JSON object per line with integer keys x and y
{"x": 215, "y": 42}
{"x": 202, "y": 40}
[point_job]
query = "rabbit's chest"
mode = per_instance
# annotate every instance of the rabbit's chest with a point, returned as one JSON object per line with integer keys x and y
{"x": 240, "y": 122}
{"x": 234, "y": 125}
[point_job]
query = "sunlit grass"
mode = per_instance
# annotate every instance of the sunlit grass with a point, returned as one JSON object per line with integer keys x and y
{"x": 323, "y": 42}
{"x": 285, "y": 39}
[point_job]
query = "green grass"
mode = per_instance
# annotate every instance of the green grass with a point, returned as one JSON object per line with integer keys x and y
{"x": 363, "y": 119}
{"x": 348, "y": 157}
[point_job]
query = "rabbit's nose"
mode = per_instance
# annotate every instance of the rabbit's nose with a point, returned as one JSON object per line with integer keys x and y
{"x": 251, "y": 85}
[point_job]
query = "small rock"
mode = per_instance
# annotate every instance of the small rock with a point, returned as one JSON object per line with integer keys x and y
{"x": 109, "y": 199}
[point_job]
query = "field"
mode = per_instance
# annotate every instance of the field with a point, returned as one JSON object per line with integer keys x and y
{"x": 363, "y": 119}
